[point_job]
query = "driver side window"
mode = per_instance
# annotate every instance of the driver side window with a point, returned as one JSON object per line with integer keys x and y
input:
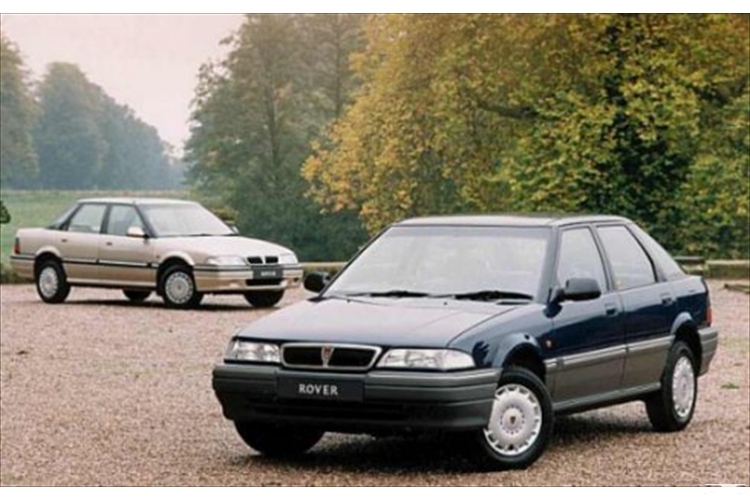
{"x": 579, "y": 257}
{"x": 122, "y": 217}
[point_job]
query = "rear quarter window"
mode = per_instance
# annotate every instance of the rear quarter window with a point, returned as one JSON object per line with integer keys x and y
{"x": 669, "y": 268}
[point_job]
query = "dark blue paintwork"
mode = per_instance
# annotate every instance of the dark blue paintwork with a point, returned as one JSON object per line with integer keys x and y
{"x": 602, "y": 348}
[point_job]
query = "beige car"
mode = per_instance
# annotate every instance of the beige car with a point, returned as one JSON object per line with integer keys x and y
{"x": 176, "y": 248}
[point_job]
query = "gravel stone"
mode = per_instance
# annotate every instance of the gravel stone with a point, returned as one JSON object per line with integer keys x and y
{"x": 98, "y": 391}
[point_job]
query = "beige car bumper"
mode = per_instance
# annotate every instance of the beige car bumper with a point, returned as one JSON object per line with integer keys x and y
{"x": 240, "y": 280}
{"x": 23, "y": 265}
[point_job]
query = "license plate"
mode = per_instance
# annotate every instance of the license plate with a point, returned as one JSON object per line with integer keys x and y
{"x": 322, "y": 389}
{"x": 268, "y": 273}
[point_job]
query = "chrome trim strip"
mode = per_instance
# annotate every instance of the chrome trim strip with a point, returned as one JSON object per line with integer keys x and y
{"x": 649, "y": 345}
{"x": 417, "y": 376}
{"x": 607, "y": 396}
{"x": 119, "y": 263}
{"x": 86, "y": 262}
{"x": 22, "y": 256}
{"x": 593, "y": 356}
{"x": 375, "y": 349}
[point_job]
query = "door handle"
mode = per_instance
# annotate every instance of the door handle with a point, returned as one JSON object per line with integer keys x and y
{"x": 109, "y": 243}
{"x": 64, "y": 240}
{"x": 666, "y": 299}
{"x": 611, "y": 309}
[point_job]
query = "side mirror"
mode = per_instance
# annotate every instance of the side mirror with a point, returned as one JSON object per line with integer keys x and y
{"x": 315, "y": 281}
{"x": 578, "y": 289}
{"x": 136, "y": 232}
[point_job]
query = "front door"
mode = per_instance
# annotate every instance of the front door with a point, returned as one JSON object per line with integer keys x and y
{"x": 125, "y": 260}
{"x": 587, "y": 342}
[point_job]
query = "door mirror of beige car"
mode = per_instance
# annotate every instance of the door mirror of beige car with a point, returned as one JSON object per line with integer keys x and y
{"x": 136, "y": 232}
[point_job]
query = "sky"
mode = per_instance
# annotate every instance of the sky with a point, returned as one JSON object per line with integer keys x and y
{"x": 148, "y": 62}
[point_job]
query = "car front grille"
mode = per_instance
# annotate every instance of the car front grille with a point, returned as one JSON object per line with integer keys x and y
{"x": 259, "y": 260}
{"x": 329, "y": 356}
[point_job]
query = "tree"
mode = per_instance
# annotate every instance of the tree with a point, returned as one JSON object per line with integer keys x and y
{"x": 85, "y": 139}
{"x": 255, "y": 115}
{"x": 18, "y": 162}
{"x": 605, "y": 113}
{"x": 4, "y": 214}
{"x": 68, "y": 138}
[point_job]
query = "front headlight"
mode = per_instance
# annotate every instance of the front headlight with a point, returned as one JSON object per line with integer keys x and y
{"x": 226, "y": 260}
{"x": 287, "y": 258}
{"x": 428, "y": 359}
{"x": 259, "y": 352}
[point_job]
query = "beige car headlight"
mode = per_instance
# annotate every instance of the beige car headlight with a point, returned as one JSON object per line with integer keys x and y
{"x": 287, "y": 258}
{"x": 226, "y": 260}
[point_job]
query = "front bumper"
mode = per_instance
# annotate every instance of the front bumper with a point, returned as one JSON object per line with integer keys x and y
{"x": 209, "y": 279}
{"x": 709, "y": 337}
{"x": 389, "y": 400}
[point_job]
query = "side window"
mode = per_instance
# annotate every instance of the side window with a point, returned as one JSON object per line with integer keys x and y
{"x": 121, "y": 217}
{"x": 88, "y": 219}
{"x": 669, "y": 267}
{"x": 630, "y": 264}
{"x": 579, "y": 257}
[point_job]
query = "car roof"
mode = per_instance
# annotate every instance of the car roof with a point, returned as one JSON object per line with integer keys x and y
{"x": 137, "y": 200}
{"x": 524, "y": 220}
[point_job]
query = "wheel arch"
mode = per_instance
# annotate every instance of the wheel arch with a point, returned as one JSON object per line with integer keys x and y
{"x": 685, "y": 329}
{"x": 45, "y": 254}
{"x": 169, "y": 261}
{"x": 523, "y": 350}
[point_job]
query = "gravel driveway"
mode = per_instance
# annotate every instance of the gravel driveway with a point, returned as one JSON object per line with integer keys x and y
{"x": 101, "y": 392}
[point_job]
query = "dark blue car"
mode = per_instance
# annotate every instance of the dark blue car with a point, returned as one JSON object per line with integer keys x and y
{"x": 482, "y": 326}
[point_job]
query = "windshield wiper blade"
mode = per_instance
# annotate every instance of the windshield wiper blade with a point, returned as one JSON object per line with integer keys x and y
{"x": 390, "y": 293}
{"x": 488, "y": 295}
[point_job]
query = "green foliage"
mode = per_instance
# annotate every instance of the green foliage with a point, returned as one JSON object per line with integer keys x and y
{"x": 84, "y": 139}
{"x": 640, "y": 115}
{"x": 18, "y": 161}
{"x": 4, "y": 214}
{"x": 255, "y": 115}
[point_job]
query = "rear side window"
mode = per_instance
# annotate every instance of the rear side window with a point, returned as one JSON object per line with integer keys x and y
{"x": 630, "y": 264}
{"x": 666, "y": 263}
{"x": 579, "y": 257}
{"x": 88, "y": 219}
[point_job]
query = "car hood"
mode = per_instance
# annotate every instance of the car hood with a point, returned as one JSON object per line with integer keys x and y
{"x": 382, "y": 322}
{"x": 221, "y": 245}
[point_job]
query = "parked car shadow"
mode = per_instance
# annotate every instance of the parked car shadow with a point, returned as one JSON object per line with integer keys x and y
{"x": 434, "y": 453}
{"x": 157, "y": 304}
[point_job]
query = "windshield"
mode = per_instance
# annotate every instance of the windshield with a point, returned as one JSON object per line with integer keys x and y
{"x": 492, "y": 262}
{"x": 184, "y": 220}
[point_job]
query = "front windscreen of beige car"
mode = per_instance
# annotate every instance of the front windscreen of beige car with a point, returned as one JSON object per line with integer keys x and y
{"x": 177, "y": 249}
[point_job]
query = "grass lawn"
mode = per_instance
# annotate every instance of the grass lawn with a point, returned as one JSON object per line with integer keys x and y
{"x": 40, "y": 208}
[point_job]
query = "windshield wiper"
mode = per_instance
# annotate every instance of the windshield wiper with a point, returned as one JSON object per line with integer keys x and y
{"x": 487, "y": 295}
{"x": 390, "y": 293}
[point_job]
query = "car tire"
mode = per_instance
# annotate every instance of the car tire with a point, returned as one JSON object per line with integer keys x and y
{"x": 278, "y": 440}
{"x": 177, "y": 288}
{"x": 51, "y": 282}
{"x": 520, "y": 425}
{"x": 264, "y": 298}
{"x": 672, "y": 407}
{"x": 136, "y": 296}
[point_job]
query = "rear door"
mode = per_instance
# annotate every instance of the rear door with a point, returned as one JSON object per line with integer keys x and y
{"x": 79, "y": 242}
{"x": 126, "y": 260}
{"x": 649, "y": 304}
{"x": 588, "y": 337}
